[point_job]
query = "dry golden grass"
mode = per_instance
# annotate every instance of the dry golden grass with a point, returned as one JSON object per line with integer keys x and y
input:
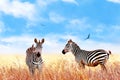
{"x": 57, "y": 67}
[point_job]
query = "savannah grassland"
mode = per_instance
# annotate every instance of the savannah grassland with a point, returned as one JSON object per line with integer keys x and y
{"x": 57, "y": 67}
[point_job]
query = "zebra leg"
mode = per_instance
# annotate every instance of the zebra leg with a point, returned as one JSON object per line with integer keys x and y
{"x": 81, "y": 65}
{"x": 32, "y": 70}
{"x": 103, "y": 67}
{"x": 40, "y": 67}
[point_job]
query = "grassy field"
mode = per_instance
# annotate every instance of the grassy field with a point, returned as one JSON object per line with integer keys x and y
{"x": 57, "y": 67}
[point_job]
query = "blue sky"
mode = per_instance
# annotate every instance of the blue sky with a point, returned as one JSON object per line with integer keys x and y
{"x": 58, "y": 21}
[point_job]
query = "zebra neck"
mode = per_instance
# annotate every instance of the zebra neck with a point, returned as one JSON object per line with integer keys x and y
{"x": 76, "y": 51}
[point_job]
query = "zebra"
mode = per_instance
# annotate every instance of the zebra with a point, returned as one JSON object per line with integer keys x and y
{"x": 88, "y": 58}
{"x": 34, "y": 58}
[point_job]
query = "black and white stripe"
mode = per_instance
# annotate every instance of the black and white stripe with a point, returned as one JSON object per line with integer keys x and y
{"x": 34, "y": 58}
{"x": 89, "y": 58}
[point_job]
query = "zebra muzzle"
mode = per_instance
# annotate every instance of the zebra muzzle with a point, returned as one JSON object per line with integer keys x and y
{"x": 63, "y": 51}
{"x": 38, "y": 54}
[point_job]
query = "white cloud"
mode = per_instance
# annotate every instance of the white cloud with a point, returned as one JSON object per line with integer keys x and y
{"x": 71, "y": 1}
{"x": 56, "y": 18}
{"x": 92, "y": 45}
{"x": 45, "y": 3}
{"x": 54, "y": 43}
{"x": 78, "y": 24}
{"x": 18, "y": 9}
{"x": 15, "y": 44}
{"x": 19, "y": 44}
{"x": 115, "y": 27}
{"x": 114, "y": 1}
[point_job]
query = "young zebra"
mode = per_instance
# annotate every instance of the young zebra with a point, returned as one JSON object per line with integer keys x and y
{"x": 89, "y": 58}
{"x": 33, "y": 57}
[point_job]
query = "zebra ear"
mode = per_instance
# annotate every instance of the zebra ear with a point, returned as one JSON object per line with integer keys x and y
{"x": 43, "y": 40}
{"x": 70, "y": 41}
{"x": 35, "y": 40}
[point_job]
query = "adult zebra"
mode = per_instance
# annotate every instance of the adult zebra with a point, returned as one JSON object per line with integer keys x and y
{"x": 34, "y": 58}
{"x": 89, "y": 58}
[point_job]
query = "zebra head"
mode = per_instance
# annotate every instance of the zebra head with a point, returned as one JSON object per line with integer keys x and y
{"x": 68, "y": 47}
{"x": 38, "y": 47}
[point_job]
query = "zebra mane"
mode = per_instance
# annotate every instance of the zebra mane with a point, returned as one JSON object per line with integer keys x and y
{"x": 76, "y": 45}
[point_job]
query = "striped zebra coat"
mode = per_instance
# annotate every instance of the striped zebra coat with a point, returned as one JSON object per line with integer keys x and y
{"x": 34, "y": 58}
{"x": 89, "y": 58}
